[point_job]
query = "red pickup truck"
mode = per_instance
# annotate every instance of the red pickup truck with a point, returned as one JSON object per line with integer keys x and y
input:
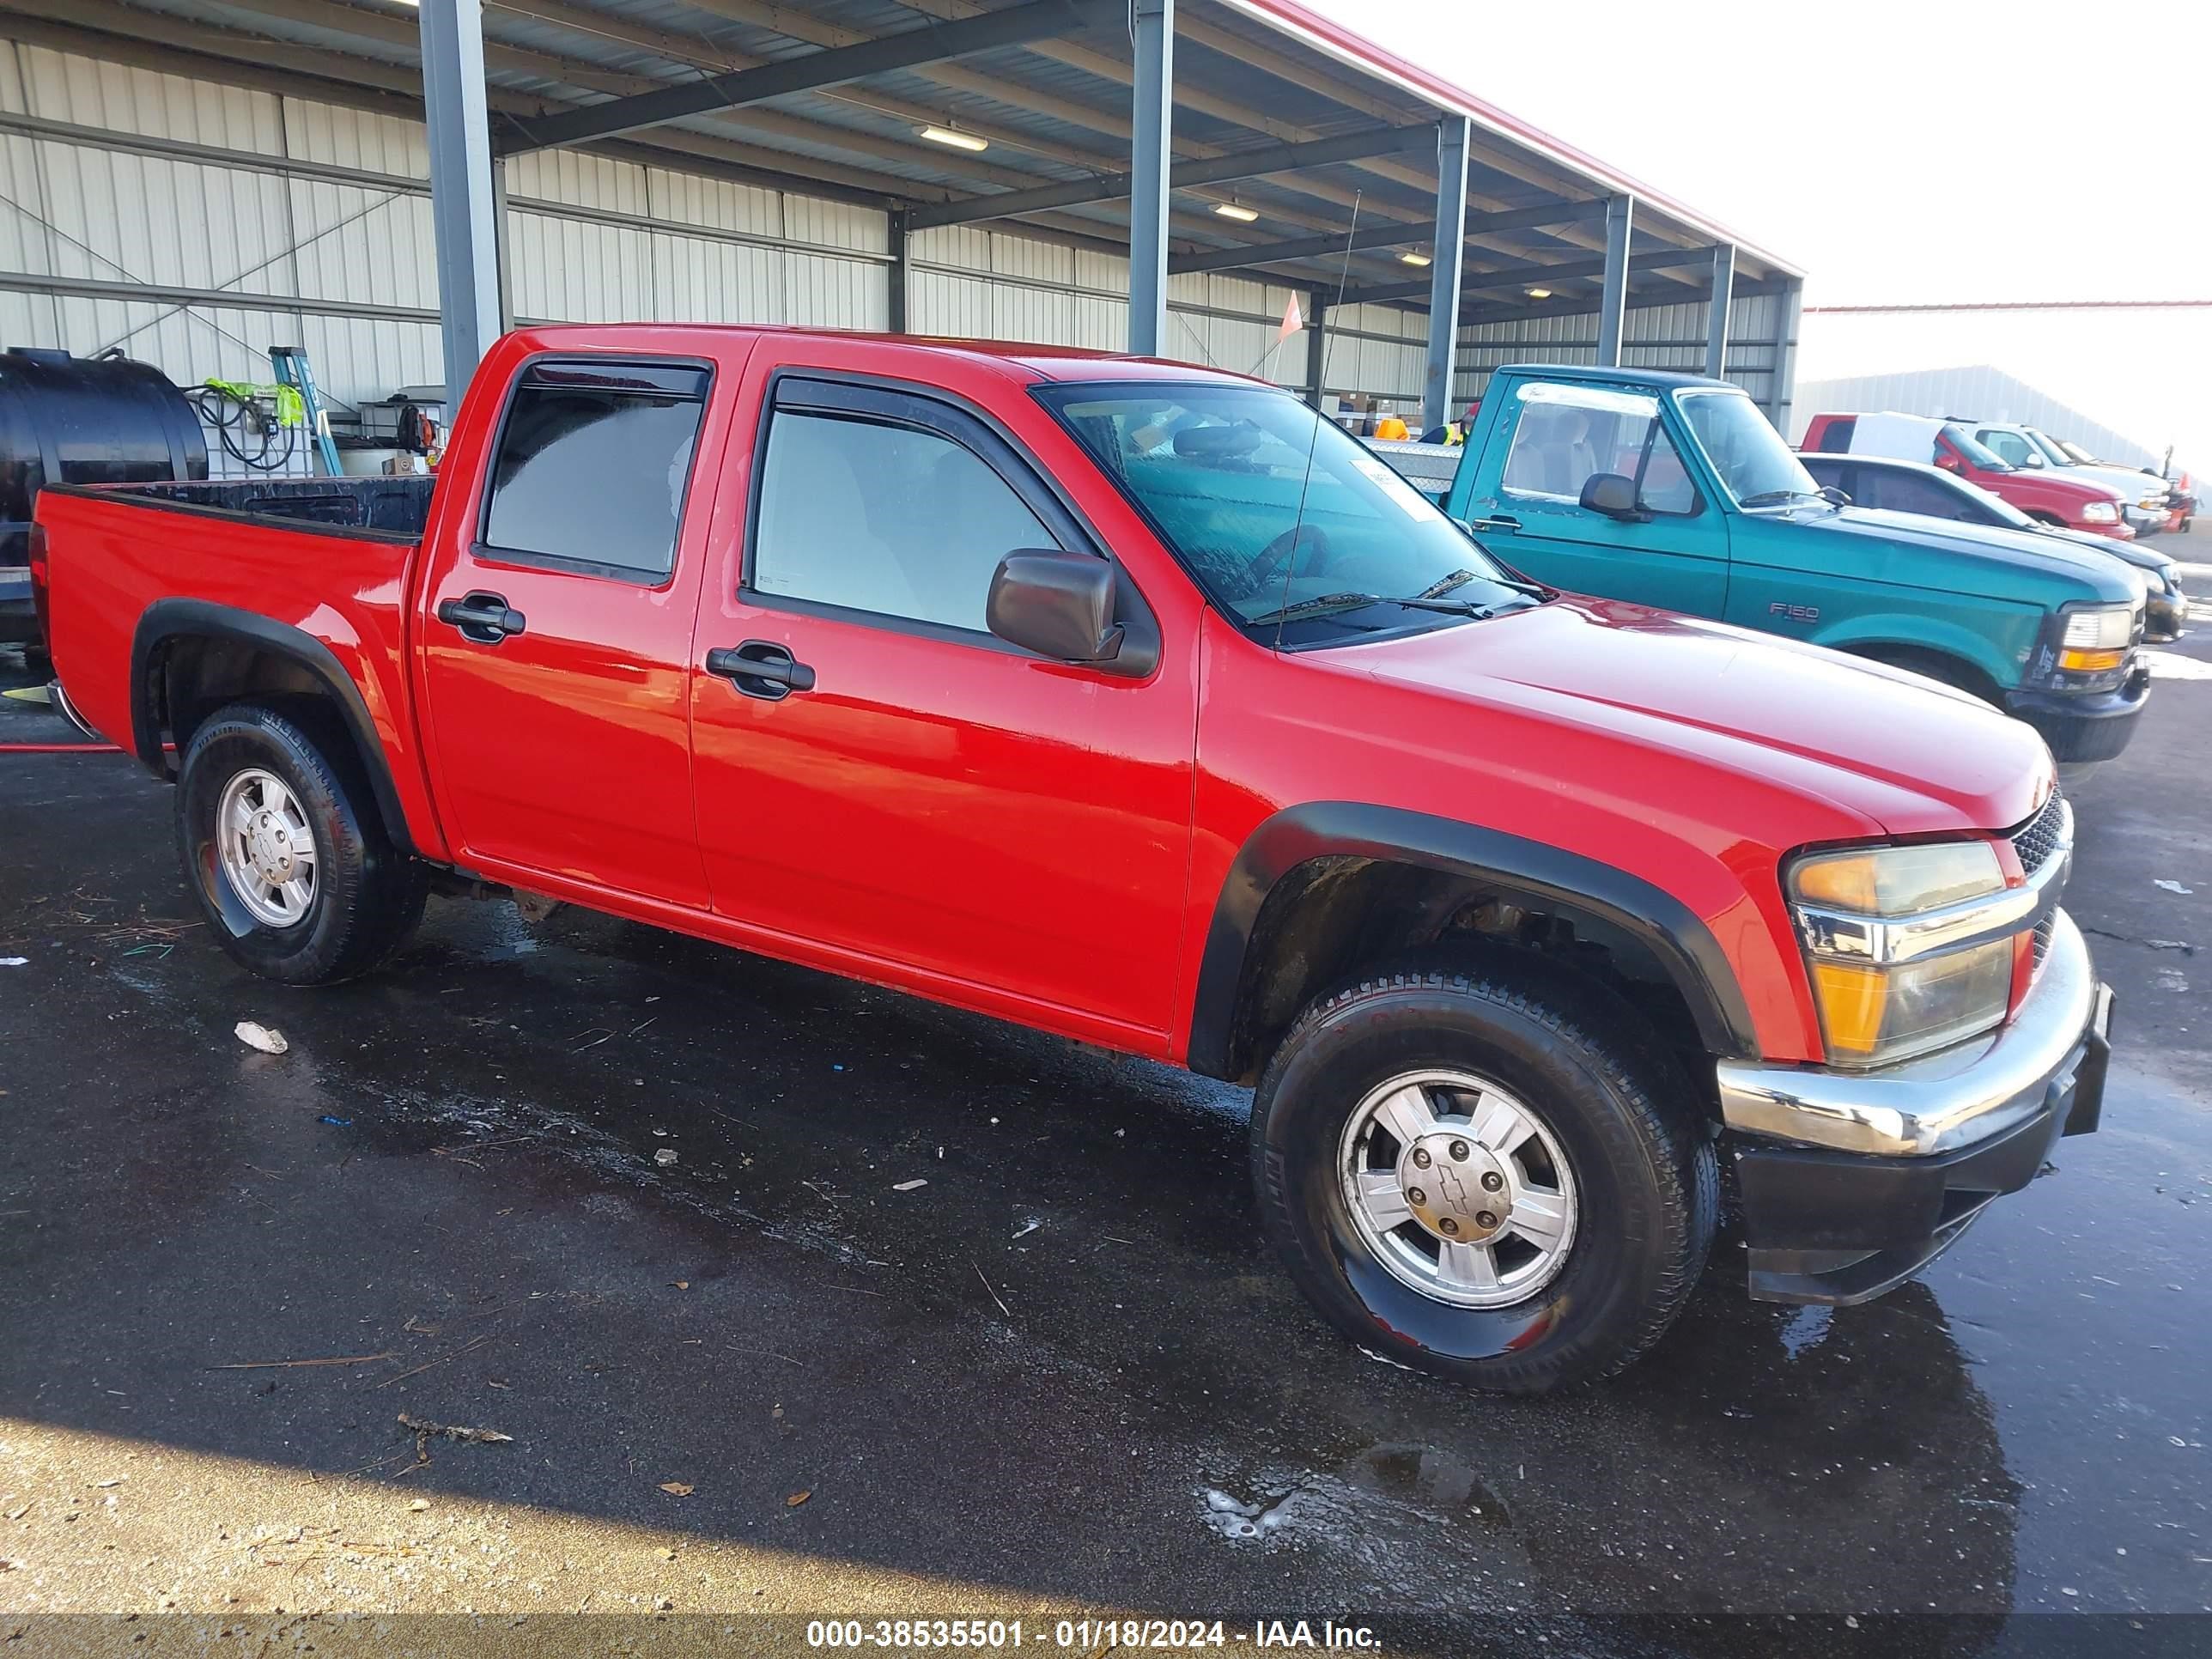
{"x": 1128, "y": 702}
{"x": 2048, "y": 497}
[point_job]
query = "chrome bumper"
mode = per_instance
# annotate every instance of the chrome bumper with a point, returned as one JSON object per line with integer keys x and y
{"x": 1943, "y": 1103}
{"x": 59, "y": 700}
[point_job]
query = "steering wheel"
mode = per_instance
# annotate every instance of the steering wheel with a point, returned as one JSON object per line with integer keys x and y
{"x": 1284, "y": 550}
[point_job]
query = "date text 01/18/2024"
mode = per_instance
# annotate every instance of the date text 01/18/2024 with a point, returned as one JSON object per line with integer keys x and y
{"x": 1087, "y": 1635}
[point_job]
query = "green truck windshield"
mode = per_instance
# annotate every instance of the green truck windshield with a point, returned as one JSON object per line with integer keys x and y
{"x": 1746, "y": 451}
{"x": 1221, "y": 474}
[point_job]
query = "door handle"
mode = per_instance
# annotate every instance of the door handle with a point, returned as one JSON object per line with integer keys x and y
{"x": 1495, "y": 521}
{"x": 760, "y": 668}
{"x": 484, "y": 618}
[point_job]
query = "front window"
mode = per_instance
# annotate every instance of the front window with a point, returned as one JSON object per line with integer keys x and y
{"x": 2011, "y": 448}
{"x": 1978, "y": 455}
{"x": 1744, "y": 448}
{"x": 1568, "y": 435}
{"x": 1274, "y": 510}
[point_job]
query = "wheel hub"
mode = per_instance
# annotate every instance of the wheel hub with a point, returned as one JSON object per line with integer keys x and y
{"x": 1456, "y": 1188}
{"x": 270, "y": 843}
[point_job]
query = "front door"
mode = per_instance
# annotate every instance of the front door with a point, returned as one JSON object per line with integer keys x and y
{"x": 557, "y": 641}
{"x": 1552, "y": 439}
{"x": 883, "y": 780}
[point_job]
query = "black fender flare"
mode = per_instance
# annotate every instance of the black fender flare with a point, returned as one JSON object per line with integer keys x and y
{"x": 1510, "y": 864}
{"x": 166, "y": 620}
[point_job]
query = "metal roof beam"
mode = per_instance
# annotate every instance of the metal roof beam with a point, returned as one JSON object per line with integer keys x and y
{"x": 1389, "y": 235}
{"x": 1666, "y": 258}
{"x": 1203, "y": 170}
{"x": 1645, "y": 299}
{"x": 814, "y": 71}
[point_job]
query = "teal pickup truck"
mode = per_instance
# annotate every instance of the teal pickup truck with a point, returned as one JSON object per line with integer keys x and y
{"x": 1673, "y": 491}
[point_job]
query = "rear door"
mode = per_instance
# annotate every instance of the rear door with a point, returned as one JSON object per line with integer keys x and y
{"x": 557, "y": 634}
{"x": 1552, "y": 439}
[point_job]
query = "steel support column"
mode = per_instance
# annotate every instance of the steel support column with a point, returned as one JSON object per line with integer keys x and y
{"x": 1152, "y": 116}
{"x": 901, "y": 272}
{"x": 1317, "y": 345}
{"x": 1443, "y": 269}
{"x": 1619, "y": 210}
{"x": 464, "y": 208}
{"x": 1717, "y": 314}
{"x": 1783, "y": 384}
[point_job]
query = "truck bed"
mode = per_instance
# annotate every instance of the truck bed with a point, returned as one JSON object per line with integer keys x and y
{"x": 395, "y": 506}
{"x": 325, "y": 560}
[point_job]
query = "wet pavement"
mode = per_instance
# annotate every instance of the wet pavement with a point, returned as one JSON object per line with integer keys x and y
{"x": 645, "y": 1206}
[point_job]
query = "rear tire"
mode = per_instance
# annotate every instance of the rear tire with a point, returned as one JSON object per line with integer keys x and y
{"x": 1611, "y": 1153}
{"x": 255, "y": 782}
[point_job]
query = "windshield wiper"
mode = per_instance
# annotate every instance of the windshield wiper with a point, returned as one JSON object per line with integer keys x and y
{"x": 1776, "y": 497}
{"x": 1315, "y": 607}
{"x": 1437, "y": 590}
{"x": 1328, "y": 602}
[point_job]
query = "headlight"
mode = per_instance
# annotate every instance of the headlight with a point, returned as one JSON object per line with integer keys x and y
{"x": 2101, "y": 513}
{"x": 1908, "y": 949}
{"x": 2097, "y": 638}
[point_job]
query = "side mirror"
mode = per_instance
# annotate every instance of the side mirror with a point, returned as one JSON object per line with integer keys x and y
{"x": 1947, "y": 460}
{"x": 1056, "y": 604}
{"x": 1611, "y": 494}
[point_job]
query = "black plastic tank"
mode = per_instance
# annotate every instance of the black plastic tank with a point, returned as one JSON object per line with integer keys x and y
{"x": 86, "y": 420}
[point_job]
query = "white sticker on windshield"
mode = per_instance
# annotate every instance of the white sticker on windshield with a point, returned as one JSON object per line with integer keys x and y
{"x": 1592, "y": 398}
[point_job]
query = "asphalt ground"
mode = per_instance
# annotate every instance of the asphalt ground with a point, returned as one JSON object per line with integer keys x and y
{"x": 765, "y": 1380}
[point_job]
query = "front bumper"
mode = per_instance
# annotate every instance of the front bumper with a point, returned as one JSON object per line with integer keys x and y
{"x": 2084, "y": 725}
{"x": 1852, "y": 1182}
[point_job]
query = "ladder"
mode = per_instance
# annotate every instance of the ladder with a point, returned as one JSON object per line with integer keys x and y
{"x": 291, "y": 364}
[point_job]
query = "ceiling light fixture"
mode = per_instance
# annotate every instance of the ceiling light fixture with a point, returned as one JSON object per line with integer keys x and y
{"x": 1236, "y": 211}
{"x": 1537, "y": 292}
{"x": 1410, "y": 257}
{"x": 956, "y": 139}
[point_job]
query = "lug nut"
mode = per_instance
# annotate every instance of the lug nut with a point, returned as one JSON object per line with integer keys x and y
{"x": 1415, "y": 1195}
{"x": 1421, "y": 1159}
{"x": 1459, "y": 1152}
{"x": 1448, "y": 1224}
{"x": 1485, "y": 1219}
{"x": 1492, "y": 1182}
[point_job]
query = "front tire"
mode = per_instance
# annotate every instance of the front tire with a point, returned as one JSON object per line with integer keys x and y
{"x": 296, "y": 880}
{"x": 1485, "y": 1174}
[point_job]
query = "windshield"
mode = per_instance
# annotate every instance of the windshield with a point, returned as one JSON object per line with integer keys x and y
{"x": 2079, "y": 453}
{"x": 1976, "y": 452}
{"x": 2052, "y": 452}
{"x": 1747, "y": 452}
{"x": 1220, "y": 471}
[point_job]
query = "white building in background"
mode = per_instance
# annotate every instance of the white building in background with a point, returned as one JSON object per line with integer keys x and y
{"x": 2126, "y": 382}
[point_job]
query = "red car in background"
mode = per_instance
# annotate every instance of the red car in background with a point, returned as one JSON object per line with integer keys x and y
{"x": 2071, "y": 503}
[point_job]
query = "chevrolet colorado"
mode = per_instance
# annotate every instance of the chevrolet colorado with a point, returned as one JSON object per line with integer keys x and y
{"x": 1130, "y": 702}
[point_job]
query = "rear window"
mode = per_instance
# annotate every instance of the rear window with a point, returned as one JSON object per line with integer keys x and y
{"x": 1836, "y": 436}
{"x": 594, "y": 460}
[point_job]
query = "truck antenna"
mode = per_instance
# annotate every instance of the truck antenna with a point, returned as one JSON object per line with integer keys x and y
{"x": 1305, "y": 484}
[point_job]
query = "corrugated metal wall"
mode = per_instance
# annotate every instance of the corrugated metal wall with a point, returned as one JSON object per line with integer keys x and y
{"x": 115, "y": 180}
{"x": 1652, "y": 336}
{"x": 323, "y": 215}
{"x": 1977, "y": 392}
{"x": 995, "y": 285}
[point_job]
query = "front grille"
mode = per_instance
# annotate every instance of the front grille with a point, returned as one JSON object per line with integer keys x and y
{"x": 2036, "y": 842}
{"x": 2041, "y": 836}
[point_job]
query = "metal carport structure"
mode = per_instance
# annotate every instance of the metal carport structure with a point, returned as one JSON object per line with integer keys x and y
{"x": 1204, "y": 156}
